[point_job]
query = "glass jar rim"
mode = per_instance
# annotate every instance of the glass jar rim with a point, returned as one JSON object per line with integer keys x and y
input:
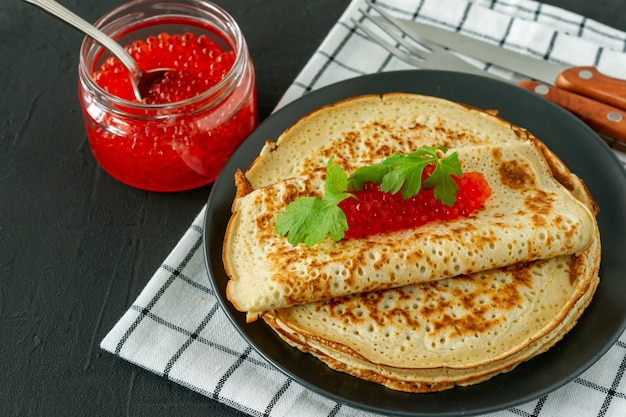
{"x": 90, "y": 46}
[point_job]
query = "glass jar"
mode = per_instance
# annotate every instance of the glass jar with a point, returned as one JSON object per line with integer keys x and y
{"x": 174, "y": 146}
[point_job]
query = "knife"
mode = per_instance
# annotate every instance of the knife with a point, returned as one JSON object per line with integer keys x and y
{"x": 584, "y": 86}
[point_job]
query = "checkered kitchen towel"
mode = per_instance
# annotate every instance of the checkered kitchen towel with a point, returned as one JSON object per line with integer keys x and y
{"x": 176, "y": 328}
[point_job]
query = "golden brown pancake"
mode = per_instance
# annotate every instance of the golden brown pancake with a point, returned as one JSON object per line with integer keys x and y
{"x": 455, "y": 329}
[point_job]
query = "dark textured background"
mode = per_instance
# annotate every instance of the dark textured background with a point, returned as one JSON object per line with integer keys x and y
{"x": 77, "y": 247}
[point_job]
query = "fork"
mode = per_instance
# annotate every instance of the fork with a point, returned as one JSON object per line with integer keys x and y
{"x": 413, "y": 49}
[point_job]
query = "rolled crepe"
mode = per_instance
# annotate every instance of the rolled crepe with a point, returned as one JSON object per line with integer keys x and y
{"x": 529, "y": 216}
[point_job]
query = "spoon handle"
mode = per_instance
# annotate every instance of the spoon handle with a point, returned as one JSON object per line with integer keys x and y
{"x": 79, "y": 23}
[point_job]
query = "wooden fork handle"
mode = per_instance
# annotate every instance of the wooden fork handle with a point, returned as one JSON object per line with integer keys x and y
{"x": 604, "y": 119}
{"x": 589, "y": 82}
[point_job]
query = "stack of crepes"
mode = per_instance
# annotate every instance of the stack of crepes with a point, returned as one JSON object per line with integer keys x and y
{"x": 421, "y": 310}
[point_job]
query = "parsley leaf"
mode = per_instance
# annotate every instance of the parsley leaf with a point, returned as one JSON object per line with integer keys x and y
{"x": 403, "y": 172}
{"x": 310, "y": 220}
{"x": 370, "y": 173}
{"x": 445, "y": 188}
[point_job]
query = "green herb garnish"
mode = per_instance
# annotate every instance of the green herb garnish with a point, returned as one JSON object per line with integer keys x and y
{"x": 404, "y": 172}
{"x": 310, "y": 220}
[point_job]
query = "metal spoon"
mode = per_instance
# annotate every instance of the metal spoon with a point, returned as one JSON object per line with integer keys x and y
{"x": 140, "y": 80}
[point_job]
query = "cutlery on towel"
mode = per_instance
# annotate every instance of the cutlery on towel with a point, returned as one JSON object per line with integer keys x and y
{"x": 605, "y": 116}
{"x": 583, "y": 80}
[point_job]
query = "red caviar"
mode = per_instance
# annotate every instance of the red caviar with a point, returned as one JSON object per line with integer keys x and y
{"x": 376, "y": 211}
{"x": 181, "y": 135}
{"x": 199, "y": 64}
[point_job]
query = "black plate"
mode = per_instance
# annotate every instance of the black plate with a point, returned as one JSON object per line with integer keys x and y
{"x": 580, "y": 148}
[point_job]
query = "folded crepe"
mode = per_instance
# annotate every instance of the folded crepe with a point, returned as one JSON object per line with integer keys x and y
{"x": 529, "y": 216}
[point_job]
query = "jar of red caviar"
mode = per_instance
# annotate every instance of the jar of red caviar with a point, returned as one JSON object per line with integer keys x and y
{"x": 182, "y": 134}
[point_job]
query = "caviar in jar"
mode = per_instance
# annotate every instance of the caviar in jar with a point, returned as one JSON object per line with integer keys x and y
{"x": 181, "y": 134}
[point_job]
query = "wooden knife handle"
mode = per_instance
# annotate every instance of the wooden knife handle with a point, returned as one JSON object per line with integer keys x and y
{"x": 604, "y": 119}
{"x": 588, "y": 82}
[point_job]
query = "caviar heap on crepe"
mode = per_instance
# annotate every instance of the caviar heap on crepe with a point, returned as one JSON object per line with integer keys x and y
{"x": 191, "y": 121}
{"x": 401, "y": 192}
{"x": 375, "y": 211}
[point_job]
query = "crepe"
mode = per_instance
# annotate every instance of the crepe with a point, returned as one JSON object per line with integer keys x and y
{"x": 448, "y": 331}
{"x": 529, "y": 216}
